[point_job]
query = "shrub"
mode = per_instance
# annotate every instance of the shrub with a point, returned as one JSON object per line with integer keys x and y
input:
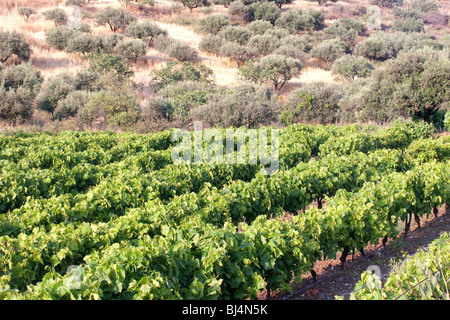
{"x": 277, "y": 33}
{"x": 109, "y": 63}
{"x": 131, "y": 49}
{"x": 302, "y": 43}
{"x": 70, "y": 105}
{"x": 414, "y": 84}
{"x": 423, "y": 6}
{"x": 109, "y": 42}
{"x": 145, "y": 31}
{"x": 54, "y": 90}
{"x": 82, "y": 27}
{"x": 58, "y": 16}
{"x": 238, "y": 9}
{"x": 316, "y": 101}
{"x": 351, "y": 24}
{"x": 235, "y": 51}
{"x": 26, "y": 12}
{"x": 314, "y": 20}
{"x": 289, "y": 20}
{"x": 296, "y": 20}
{"x": 186, "y": 71}
{"x": 192, "y": 4}
{"x": 379, "y": 46}
{"x": 321, "y": 2}
{"x": 386, "y": 3}
{"x": 236, "y": 34}
{"x": 175, "y": 101}
{"x": 13, "y": 44}
{"x": 115, "y": 18}
{"x": 408, "y": 25}
{"x": 329, "y": 50}
{"x": 445, "y": 41}
{"x": 157, "y": 108}
{"x": 290, "y": 50}
{"x": 259, "y": 27}
{"x": 264, "y": 10}
{"x": 78, "y": 3}
{"x": 117, "y": 104}
{"x": 401, "y": 13}
{"x": 264, "y": 44}
{"x": 247, "y": 105}
{"x": 180, "y": 51}
{"x": 409, "y": 41}
{"x": 213, "y": 24}
{"x": 274, "y": 69}
{"x": 86, "y": 80}
{"x": 211, "y": 43}
{"x": 162, "y": 42}
{"x": 58, "y": 37}
{"x": 23, "y": 75}
{"x": 336, "y": 31}
{"x": 447, "y": 120}
{"x": 16, "y": 105}
{"x": 281, "y": 3}
{"x": 225, "y": 3}
{"x": 83, "y": 43}
{"x": 350, "y": 67}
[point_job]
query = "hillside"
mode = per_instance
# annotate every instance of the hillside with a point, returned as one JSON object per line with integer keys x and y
{"x": 295, "y": 49}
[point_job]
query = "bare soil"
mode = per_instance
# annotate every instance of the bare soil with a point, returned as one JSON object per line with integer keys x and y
{"x": 331, "y": 281}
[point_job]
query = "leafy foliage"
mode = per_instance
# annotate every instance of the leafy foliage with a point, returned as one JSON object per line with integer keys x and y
{"x": 115, "y": 18}
{"x": 274, "y": 69}
{"x": 131, "y": 49}
{"x": 314, "y": 102}
{"x": 26, "y": 12}
{"x": 57, "y": 15}
{"x": 248, "y": 105}
{"x": 13, "y": 44}
{"x": 350, "y": 66}
{"x": 58, "y": 37}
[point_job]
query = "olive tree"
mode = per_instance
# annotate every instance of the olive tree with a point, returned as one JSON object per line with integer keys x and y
{"x": 236, "y": 34}
{"x": 12, "y": 43}
{"x": 58, "y": 16}
{"x": 16, "y": 105}
{"x": 145, "y": 31}
{"x": 248, "y": 105}
{"x": 83, "y": 43}
{"x": 211, "y": 43}
{"x": 213, "y": 23}
{"x": 379, "y": 46}
{"x": 416, "y": 84}
{"x": 350, "y": 67}
{"x": 274, "y": 69}
{"x": 236, "y": 52}
{"x": 53, "y": 91}
{"x": 26, "y": 12}
{"x": 22, "y": 75}
{"x": 316, "y": 101}
{"x": 192, "y": 4}
{"x": 58, "y": 37}
{"x": 115, "y": 18}
{"x": 131, "y": 49}
{"x": 329, "y": 50}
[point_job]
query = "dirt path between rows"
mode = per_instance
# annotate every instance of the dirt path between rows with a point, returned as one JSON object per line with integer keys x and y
{"x": 332, "y": 281}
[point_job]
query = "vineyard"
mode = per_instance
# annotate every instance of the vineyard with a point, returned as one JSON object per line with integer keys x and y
{"x": 105, "y": 215}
